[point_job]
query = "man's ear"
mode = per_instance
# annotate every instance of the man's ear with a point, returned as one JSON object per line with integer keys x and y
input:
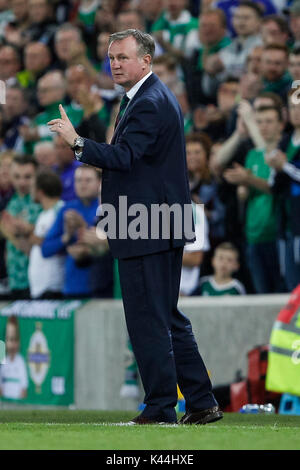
{"x": 147, "y": 59}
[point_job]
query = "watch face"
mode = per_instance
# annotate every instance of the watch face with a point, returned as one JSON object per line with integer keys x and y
{"x": 79, "y": 142}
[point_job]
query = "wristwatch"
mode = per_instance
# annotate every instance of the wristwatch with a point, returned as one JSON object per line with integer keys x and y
{"x": 78, "y": 144}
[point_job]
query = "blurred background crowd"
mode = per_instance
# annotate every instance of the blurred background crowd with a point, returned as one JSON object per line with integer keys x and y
{"x": 233, "y": 66}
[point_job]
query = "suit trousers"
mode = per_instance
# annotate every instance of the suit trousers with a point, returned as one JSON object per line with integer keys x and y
{"x": 161, "y": 336}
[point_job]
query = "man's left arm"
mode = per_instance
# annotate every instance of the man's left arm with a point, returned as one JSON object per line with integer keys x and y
{"x": 137, "y": 139}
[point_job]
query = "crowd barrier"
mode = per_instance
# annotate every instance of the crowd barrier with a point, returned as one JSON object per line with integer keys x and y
{"x": 75, "y": 352}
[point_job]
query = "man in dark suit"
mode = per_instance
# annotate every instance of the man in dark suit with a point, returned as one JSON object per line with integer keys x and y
{"x": 146, "y": 163}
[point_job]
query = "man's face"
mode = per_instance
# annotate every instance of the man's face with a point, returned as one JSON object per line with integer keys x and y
{"x": 210, "y": 29}
{"x": 86, "y": 183}
{"x": 36, "y": 57}
{"x": 64, "y": 43}
{"x": 250, "y": 85}
{"x": 9, "y": 63}
{"x": 227, "y": 95}
{"x": 196, "y": 156}
{"x": 38, "y": 10}
{"x": 274, "y": 63}
{"x": 245, "y": 21}
{"x": 50, "y": 90}
{"x": 254, "y": 60}
{"x": 225, "y": 262}
{"x": 22, "y": 177}
{"x": 4, "y": 5}
{"x": 20, "y": 9}
{"x": 126, "y": 66}
{"x": 269, "y": 125}
{"x": 45, "y": 156}
{"x": 76, "y": 77}
{"x": 271, "y": 33}
{"x": 294, "y": 66}
{"x": 15, "y": 104}
{"x": 161, "y": 70}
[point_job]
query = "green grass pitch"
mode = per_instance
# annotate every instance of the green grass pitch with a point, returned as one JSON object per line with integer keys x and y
{"x": 90, "y": 430}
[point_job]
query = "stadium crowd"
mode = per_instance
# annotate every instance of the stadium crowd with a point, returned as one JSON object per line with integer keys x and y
{"x": 233, "y": 66}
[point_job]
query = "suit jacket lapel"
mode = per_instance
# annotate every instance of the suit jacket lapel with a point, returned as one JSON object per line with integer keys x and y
{"x": 149, "y": 82}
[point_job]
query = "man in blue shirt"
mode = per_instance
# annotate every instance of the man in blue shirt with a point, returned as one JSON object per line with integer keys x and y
{"x": 63, "y": 236}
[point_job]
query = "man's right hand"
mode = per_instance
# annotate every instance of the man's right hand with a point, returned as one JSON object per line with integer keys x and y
{"x": 63, "y": 127}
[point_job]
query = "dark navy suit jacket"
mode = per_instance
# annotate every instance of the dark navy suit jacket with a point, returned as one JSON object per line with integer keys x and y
{"x": 146, "y": 162}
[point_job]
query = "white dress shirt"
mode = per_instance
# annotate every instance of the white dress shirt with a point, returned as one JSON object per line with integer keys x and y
{"x": 130, "y": 94}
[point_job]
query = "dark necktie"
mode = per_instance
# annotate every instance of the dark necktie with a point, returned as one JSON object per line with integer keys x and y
{"x": 124, "y": 102}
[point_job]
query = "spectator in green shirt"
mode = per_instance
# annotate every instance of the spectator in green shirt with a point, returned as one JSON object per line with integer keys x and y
{"x": 176, "y": 30}
{"x": 51, "y": 91}
{"x": 225, "y": 262}
{"x": 252, "y": 182}
{"x": 285, "y": 184}
{"x": 17, "y": 224}
{"x": 87, "y": 11}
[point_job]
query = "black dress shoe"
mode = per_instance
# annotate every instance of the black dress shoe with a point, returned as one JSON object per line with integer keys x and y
{"x": 144, "y": 420}
{"x": 202, "y": 417}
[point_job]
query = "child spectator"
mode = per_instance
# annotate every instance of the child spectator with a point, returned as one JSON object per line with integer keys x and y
{"x": 47, "y": 191}
{"x": 225, "y": 262}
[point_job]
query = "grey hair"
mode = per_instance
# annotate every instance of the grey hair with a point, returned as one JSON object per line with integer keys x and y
{"x": 67, "y": 27}
{"x": 145, "y": 41}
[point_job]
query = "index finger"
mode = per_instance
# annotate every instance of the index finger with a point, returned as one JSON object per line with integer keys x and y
{"x": 63, "y": 113}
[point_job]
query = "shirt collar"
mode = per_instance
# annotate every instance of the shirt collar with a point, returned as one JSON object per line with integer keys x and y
{"x": 130, "y": 94}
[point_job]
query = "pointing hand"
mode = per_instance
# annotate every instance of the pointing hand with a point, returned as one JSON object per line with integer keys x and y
{"x": 63, "y": 127}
